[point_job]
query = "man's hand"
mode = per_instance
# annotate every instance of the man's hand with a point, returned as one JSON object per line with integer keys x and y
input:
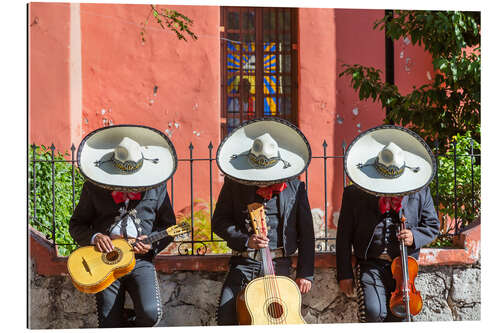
{"x": 346, "y": 286}
{"x": 141, "y": 248}
{"x": 304, "y": 285}
{"x": 103, "y": 243}
{"x": 407, "y": 236}
{"x": 257, "y": 242}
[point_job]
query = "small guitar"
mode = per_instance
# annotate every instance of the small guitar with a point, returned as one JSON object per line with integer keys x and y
{"x": 268, "y": 300}
{"x": 92, "y": 271}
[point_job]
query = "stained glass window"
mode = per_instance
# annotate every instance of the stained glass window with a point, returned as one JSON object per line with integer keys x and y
{"x": 258, "y": 64}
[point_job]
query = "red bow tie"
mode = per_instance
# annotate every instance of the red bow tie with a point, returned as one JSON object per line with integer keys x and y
{"x": 122, "y": 196}
{"x": 386, "y": 203}
{"x": 267, "y": 192}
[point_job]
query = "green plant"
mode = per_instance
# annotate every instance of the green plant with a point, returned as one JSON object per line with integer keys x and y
{"x": 450, "y": 104}
{"x": 468, "y": 172}
{"x": 63, "y": 190}
{"x": 172, "y": 20}
{"x": 202, "y": 228}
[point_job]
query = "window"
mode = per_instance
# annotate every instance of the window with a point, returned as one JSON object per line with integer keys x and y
{"x": 259, "y": 64}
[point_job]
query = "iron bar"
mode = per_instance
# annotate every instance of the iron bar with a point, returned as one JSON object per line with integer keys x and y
{"x": 53, "y": 148}
{"x": 344, "y": 178}
{"x": 210, "y": 147}
{"x": 326, "y": 192}
{"x": 191, "y": 147}
{"x": 455, "y": 183}
{"x": 437, "y": 175}
{"x": 472, "y": 173}
{"x": 307, "y": 179}
{"x": 172, "y": 191}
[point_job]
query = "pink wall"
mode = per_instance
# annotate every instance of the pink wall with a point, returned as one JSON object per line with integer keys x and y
{"x": 49, "y": 119}
{"x": 119, "y": 73}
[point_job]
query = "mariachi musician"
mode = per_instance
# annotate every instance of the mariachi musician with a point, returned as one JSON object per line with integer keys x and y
{"x": 125, "y": 196}
{"x": 391, "y": 168}
{"x": 261, "y": 160}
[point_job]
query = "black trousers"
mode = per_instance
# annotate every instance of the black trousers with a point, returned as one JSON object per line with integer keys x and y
{"x": 241, "y": 272}
{"x": 142, "y": 285}
{"x": 375, "y": 284}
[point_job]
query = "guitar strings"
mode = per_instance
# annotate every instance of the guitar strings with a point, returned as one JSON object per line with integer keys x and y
{"x": 272, "y": 281}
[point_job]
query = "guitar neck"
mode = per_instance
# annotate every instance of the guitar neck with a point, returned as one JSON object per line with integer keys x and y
{"x": 258, "y": 219}
{"x": 267, "y": 261}
{"x": 155, "y": 236}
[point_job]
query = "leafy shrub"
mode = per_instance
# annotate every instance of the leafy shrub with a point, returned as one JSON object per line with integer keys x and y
{"x": 63, "y": 189}
{"x": 202, "y": 230}
{"x": 468, "y": 198}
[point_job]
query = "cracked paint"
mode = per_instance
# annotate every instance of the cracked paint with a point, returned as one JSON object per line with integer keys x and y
{"x": 355, "y": 111}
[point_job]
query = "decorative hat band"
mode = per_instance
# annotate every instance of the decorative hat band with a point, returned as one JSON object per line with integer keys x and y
{"x": 128, "y": 166}
{"x": 390, "y": 171}
{"x": 390, "y": 162}
{"x": 263, "y": 162}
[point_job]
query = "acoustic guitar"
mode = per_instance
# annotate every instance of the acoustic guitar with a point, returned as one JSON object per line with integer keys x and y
{"x": 271, "y": 299}
{"x": 92, "y": 271}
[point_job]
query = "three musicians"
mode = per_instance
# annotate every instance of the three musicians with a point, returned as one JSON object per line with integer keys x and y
{"x": 389, "y": 166}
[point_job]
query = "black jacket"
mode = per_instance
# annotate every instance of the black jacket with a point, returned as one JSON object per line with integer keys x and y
{"x": 360, "y": 214}
{"x": 228, "y": 221}
{"x": 96, "y": 211}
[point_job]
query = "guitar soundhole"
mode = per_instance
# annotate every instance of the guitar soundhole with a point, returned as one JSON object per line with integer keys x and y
{"x": 112, "y": 257}
{"x": 275, "y": 310}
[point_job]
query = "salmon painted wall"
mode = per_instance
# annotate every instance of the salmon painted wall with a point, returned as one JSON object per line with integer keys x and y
{"x": 49, "y": 74}
{"x": 120, "y": 73}
{"x": 117, "y": 75}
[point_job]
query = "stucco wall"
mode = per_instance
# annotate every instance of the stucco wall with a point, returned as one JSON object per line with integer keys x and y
{"x": 190, "y": 298}
{"x": 118, "y": 73}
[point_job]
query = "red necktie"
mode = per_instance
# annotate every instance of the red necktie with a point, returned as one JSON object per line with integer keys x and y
{"x": 267, "y": 192}
{"x": 385, "y": 204}
{"x": 122, "y": 196}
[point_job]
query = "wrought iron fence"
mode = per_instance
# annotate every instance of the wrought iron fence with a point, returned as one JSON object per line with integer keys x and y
{"x": 325, "y": 243}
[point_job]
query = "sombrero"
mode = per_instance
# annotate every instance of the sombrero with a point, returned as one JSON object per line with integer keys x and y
{"x": 389, "y": 160}
{"x": 130, "y": 158}
{"x": 264, "y": 151}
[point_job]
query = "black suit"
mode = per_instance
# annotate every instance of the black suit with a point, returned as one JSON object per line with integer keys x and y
{"x": 95, "y": 213}
{"x": 228, "y": 222}
{"x": 359, "y": 215}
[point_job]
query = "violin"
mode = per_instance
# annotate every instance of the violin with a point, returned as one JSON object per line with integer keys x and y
{"x": 405, "y": 299}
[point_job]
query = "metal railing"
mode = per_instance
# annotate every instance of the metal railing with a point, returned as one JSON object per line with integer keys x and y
{"x": 324, "y": 243}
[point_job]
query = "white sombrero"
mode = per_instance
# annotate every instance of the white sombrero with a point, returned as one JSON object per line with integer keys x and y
{"x": 389, "y": 160}
{"x": 264, "y": 151}
{"x": 128, "y": 158}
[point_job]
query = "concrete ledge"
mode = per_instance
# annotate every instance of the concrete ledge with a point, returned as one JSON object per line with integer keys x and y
{"x": 48, "y": 263}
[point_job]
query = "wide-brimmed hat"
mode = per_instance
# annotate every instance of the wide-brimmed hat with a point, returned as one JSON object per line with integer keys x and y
{"x": 129, "y": 158}
{"x": 389, "y": 160}
{"x": 264, "y": 151}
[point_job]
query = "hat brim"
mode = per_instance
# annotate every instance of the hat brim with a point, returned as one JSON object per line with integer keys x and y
{"x": 293, "y": 148}
{"x": 99, "y": 145}
{"x": 364, "y": 150}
